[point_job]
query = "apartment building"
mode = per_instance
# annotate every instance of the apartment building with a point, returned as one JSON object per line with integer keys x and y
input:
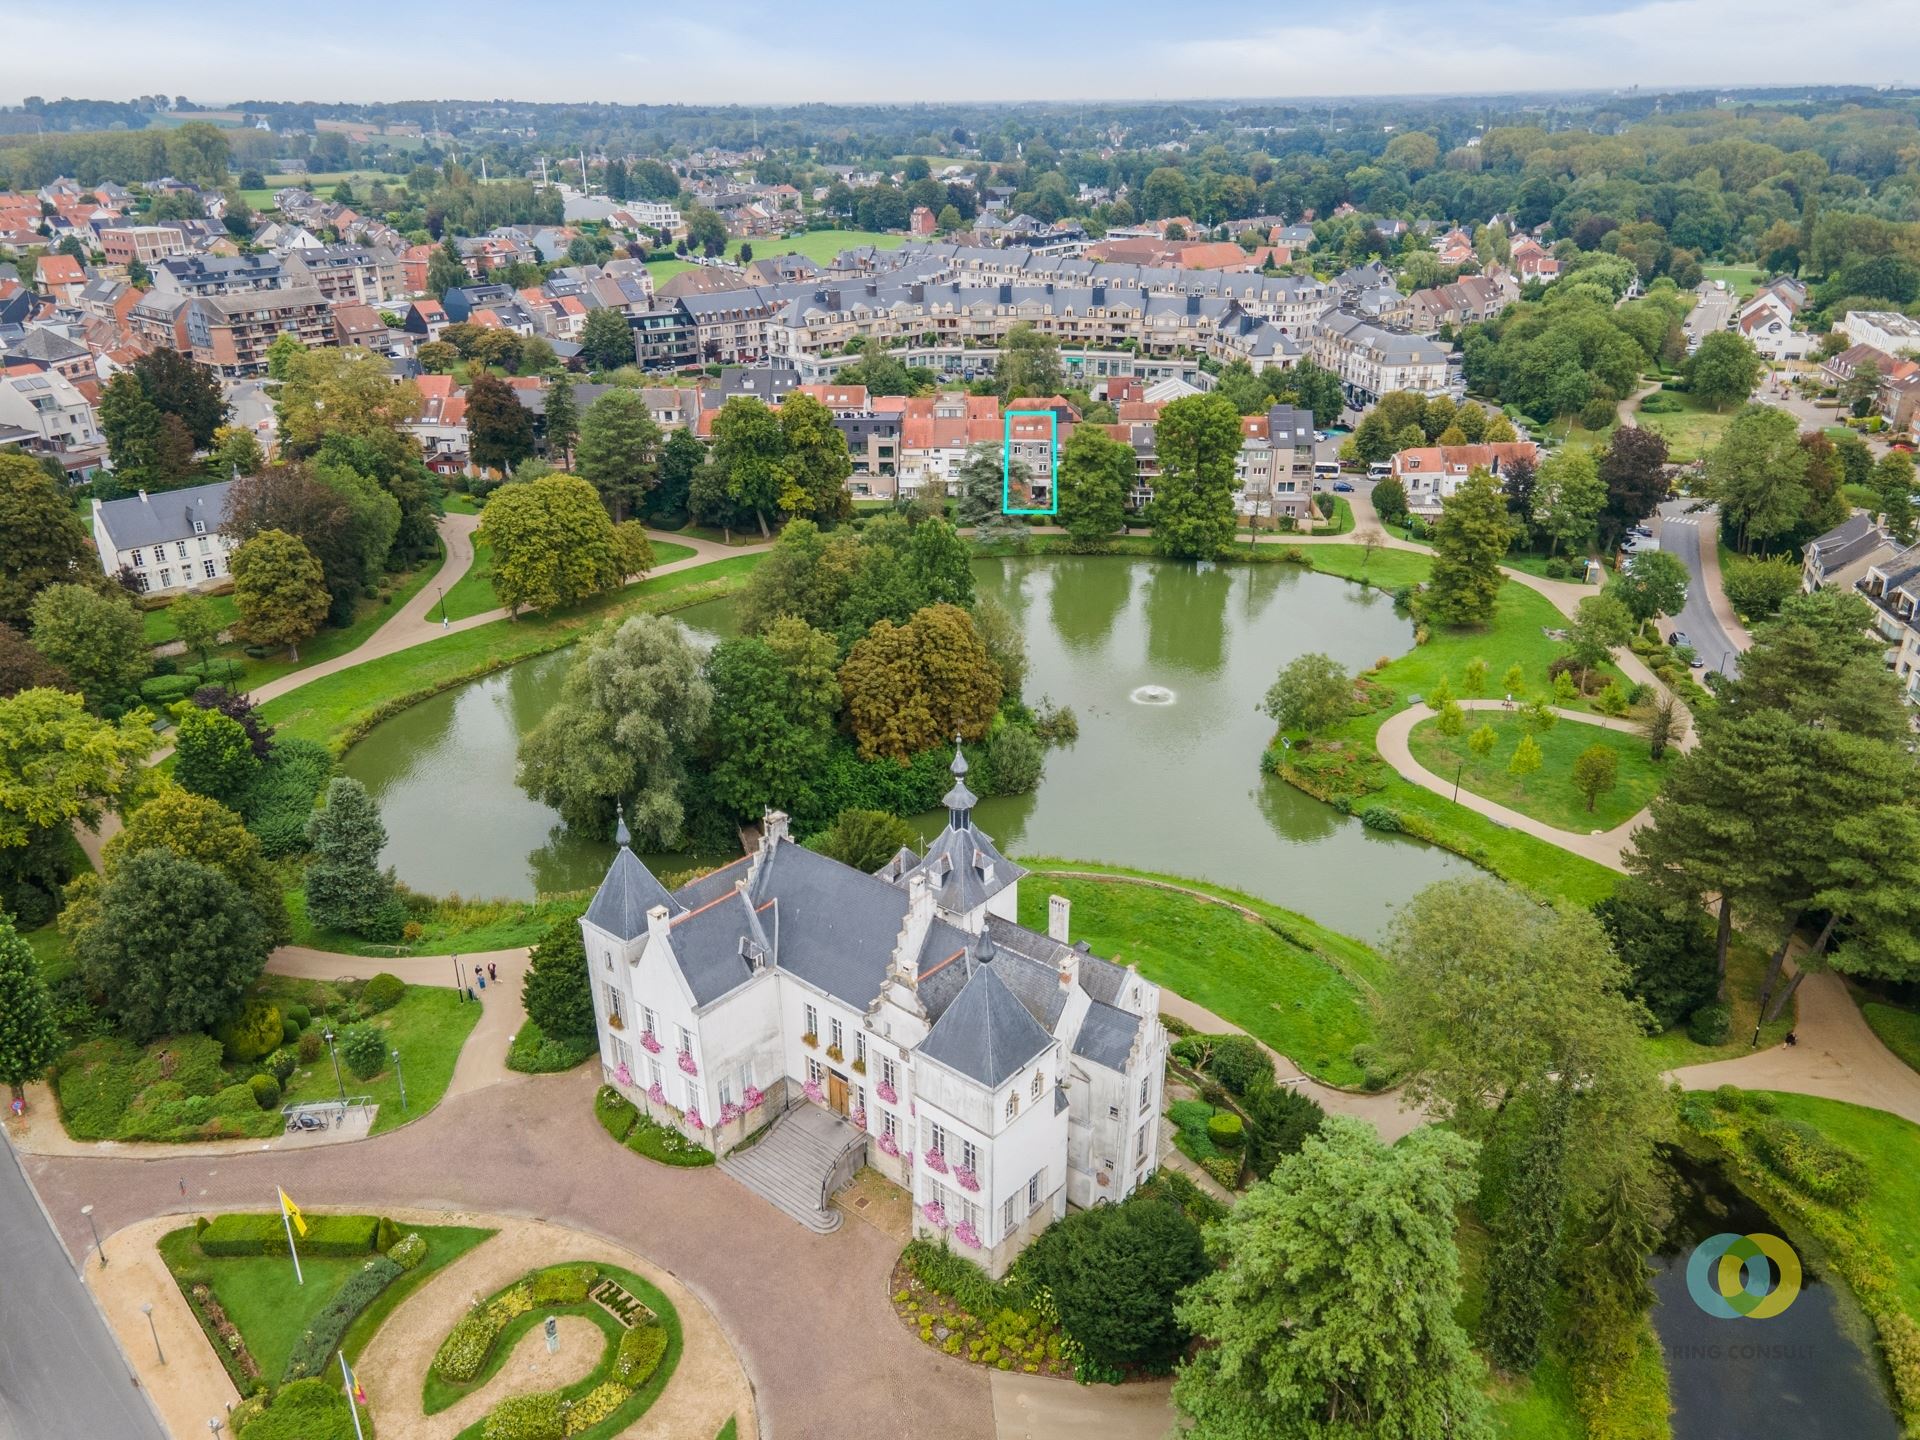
{"x": 198, "y": 275}
{"x": 54, "y": 417}
{"x": 1274, "y": 469}
{"x": 147, "y": 245}
{"x": 1373, "y": 360}
{"x": 1431, "y": 473}
{"x": 346, "y": 274}
{"x": 230, "y": 333}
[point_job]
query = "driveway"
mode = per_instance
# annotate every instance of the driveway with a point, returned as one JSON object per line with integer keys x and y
{"x": 1693, "y": 537}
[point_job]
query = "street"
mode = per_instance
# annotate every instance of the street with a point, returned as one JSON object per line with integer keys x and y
{"x": 1680, "y": 534}
{"x": 61, "y": 1374}
{"x": 1711, "y": 310}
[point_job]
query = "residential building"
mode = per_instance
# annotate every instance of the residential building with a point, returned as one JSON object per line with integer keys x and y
{"x": 1274, "y": 469}
{"x": 1431, "y": 473}
{"x": 1373, "y": 360}
{"x": 59, "y": 277}
{"x": 996, "y": 1073}
{"x": 1892, "y": 586}
{"x": 219, "y": 275}
{"x": 1886, "y": 330}
{"x": 345, "y": 274}
{"x": 1841, "y": 558}
{"x": 53, "y": 417}
{"x": 145, "y": 244}
{"x": 230, "y": 333}
{"x": 169, "y": 540}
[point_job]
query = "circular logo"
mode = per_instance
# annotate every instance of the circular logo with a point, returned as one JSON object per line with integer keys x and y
{"x": 1750, "y": 1277}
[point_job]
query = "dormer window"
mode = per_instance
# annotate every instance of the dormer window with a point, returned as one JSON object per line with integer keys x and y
{"x": 1013, "y": 1103}
{"x": 1039, "y": 1083}
{"x": 199, "y": 527}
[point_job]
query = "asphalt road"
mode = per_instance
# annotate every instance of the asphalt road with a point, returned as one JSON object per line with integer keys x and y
{"x": 1711, "y": 310}
{"x": 1679, "y": 534}
{"x": 61, "y": 1374}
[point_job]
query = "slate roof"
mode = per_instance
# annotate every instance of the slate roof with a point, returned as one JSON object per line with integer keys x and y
{"x": 621, "y": 903}
{"x": 164, "y": 514}
{"x": 1855, "y": 536}
{"x": 986, "y": 1033}
{"x": 1106, "y": 1036}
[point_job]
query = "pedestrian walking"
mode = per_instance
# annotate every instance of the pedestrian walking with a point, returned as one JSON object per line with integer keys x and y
{"x": 483, "y": 981}
{"x": 471, "y": 995}
{"x": 183, "y": 1185}
{"x": 1792, "y": 1038}
{"x": 493, "y": 971}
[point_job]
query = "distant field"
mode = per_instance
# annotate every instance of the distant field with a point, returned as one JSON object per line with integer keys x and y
{"x": 819, "y": 246}
{"x": 320, "y": 183}
{"x": 1743, "y": 279}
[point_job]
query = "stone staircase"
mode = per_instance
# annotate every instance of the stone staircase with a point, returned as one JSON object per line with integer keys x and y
{"x": 794, "y": 1161}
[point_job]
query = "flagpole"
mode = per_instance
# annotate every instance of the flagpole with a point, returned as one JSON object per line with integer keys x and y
{"x": 286, "y": 1218}
{"x": 346, "y": 1378}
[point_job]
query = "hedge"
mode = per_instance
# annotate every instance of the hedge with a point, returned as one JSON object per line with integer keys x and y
{"x": 564, "y": 1285}
{"x": 641, "y": 1349}
{"x": 336, "y": 1236}
{"x": 665, "y": 1144}
{"x": 1225, "y": 1130}
{"x": 534, "y": 1052}
{"x": 463, "y": 1354}
{"x": 615, "y": 1112}
{"x": 408, "y": 1253}
{"x": 324, "y": 1333}
{"x": 305, "y": 1410}
{"x": 527, "y": 1417}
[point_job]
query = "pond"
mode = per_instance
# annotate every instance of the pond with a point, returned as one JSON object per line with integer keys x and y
{"x": 1164, "y": 665}
{"x": 1805, "y": 1371}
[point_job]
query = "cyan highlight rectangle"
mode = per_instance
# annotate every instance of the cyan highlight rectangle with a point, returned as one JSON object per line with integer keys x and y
{"x": 1007, "y": 506}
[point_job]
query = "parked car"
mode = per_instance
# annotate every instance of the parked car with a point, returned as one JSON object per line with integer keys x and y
{"x": 1679, "y": 638}
{"x": 1345, "y": 487}
{"x": 1645, "y": 532}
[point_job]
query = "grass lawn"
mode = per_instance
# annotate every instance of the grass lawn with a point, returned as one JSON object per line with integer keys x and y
{"x": 1742, "y": 279}
{"x": 455, "y": 926}
{"x": 49, "y": 947}
{"x": 473, "y": 595}
{"x": 1567, "y": 430}
{"x": 336, "y": 709}
{"x": 159, "y": 623}
{"x": 1898, "y": 1029}
{"x": 819, "y": 246}
{"x": 271, "y": 1308}
{"x": 1691, "y": 431}
{"x": 1301, "y": 989}
{"x": 1746, "y": 971}
{"x": 1548, "y": 794}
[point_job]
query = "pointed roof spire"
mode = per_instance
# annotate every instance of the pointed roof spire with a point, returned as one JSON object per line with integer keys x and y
{"x": 983, "y": 950}
{"x": 621, "y": 836}
{"x": 959, "y": 800}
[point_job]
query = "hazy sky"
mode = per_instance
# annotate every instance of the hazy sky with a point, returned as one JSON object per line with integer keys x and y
{"x": 744, "y": 51}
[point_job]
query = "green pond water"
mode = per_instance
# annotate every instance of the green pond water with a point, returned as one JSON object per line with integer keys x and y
{"x": 1164, "y": 664}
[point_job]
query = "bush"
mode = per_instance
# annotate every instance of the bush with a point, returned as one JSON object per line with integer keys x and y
{"x": 289, "y": 1032}
{"x": 640, "y": 1353}
{"x": 299, "y": 1014}
{"x": 1238, "y": 1062}
{"x": 1710, "y": 1024}
{"x": 280, "y": 1064}
{"x": 526, "y": 1417}
{"x": 313, "y": 1351}
{"x": 364, "y": 1048}
{"x": 1280, "y": 1119}
{"x": 465, "y": 1349}
{"x": 266, "y": 1091}
{"x": 563, "y": 1285}
{"x": 615, "y": 1112}
{"x": 281, "y": 797}
{"x": 1382, "y": 818}
{"x": 1015, "y": 762}
{"x": 313, "y": 1409}
{"x": 407, "y": 1253}
{"x": 336, "y": 1236}
{"x": 534, "y": 1052}
{"x": 250, "y": 1032}
{"x": 382, "y": 992}
{"x": 665, "y": 1144}
{"x": 1224, "y": 1169}
{"x": 1810, "y": 1162}
{"x": 1225, "y": 1130}
{"x": 596, "y": 1405}
{"x": 309, "y": 1046}
{"x": 165, "y": 689}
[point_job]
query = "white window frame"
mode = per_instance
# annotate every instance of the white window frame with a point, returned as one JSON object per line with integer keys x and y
{"x": 811, "y": 1019}
{"x": 646, "y": 1011}
{"x": 1035, "y": 1188}
{"x": 836, "y": 1032}
{"x": 970, "y": 1155}
{"x": 1039, "y": 1083}
{"x": 815, "y": 1074}
{"x": 615, "y": 1012}
{"x": 860, "y": 1046}
{"x": 1013, "y": 1103}
{"x": 889, "y": 1074}
{"x": 890, "y": 1125}
{"x": 936, "y": 1138}
{"x": 686, "y": 1040}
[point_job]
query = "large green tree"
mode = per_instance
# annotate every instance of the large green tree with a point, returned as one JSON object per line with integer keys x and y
{"x": 213, "y": 755}
{"x": 1115, "y": 1273}
{"x": 183, "y": 388}
{"x": 344, "y": 520}
{"x": 750, "y": 450}
{"x": 1096, "y": 474}
{"x": 1633, "y": 467}
{"x": 1196, "y": 440}
{"x": 607, "y": 341}
{"x": 1568, "y": 498}
{"x": 631, "y": 712}
{"x": 346, "y": 888}
{"x": 42, "y": 541}
{"x": 96, "y": 638}
{"x": 1724, "y": 370}
{"x": 909, "y": 687}
{"x": 1469, "y": 539}
{"x": 1311, "y": 692}
{"x": 1331, "y": 1313}
{"x": 1652, "y": 583}
{"x": 1758, "y": 474}
{"x": 818, "y": 465}
{"x": 29, "y": 1033}
{"x": 552, "y": 542}
{"x": 279, "y": 590}
{"x": 558, "y": 989}
{"x": 561, "y": 428}
{"x": 499, "y": 427}
{"x": 775, "y": 697}
{"x": 619, "y": 451}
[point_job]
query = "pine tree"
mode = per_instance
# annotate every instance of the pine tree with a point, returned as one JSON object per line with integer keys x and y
{"x": 29, "y": 1035}
{"x": 563, "y": 421}
{"x": 346, "y": 888}
{"x": 1526, "y": 1237}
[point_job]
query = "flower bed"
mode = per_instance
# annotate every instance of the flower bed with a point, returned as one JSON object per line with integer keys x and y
{"x": 949, "y": 1302}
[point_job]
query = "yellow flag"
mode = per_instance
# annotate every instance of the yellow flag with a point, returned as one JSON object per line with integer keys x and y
{"x": 292, "y": 1212}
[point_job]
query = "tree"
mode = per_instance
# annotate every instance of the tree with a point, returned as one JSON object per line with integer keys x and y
{"x": 279, "y": 592}
{"x": 212, "y": 755}
{"x": 1596, "y": 770}
{"x": 42, "y": 541}
{"x": 183, "y": 388}
{"x": 817, "y": 463}
{"x": 552, "y": 543}
{"x": 558, "y": 989}
{"x": 1819, "y": 662}
{"x": 1115, "y": 1273}
{"x": 1482, "y": 740}
{"x": 1601, "y": 623}
{"x": 1757, "y": 473}
{"x": 196, "y": 623}
{"x": 680, "y": 460}
{"x": 1006, "y": 642}
{"x": 864, "y": 839}
{"x": 1861, "y": 388}
{"x": 1667, "y": 950}
{"x": 29, "y": 1033}
{"x": 1096, "y": 474}
{"x": 24, "y": 668}
{"x": 1469, "y": 539}
{"x": 1654, "y": 582}
{"x": 1029, "y": 364}
{"x": 1526, "y": 1235}
{"x": 562, "y": 429}
{"x": 346, "y": 888}
{"x": 135, "y": 434}
{"x": 1390, "y": 499}
{"x": 1525, "y": 760}
{"x": 1568, "y": 498}
{"x": 1662, "y": 726}
{"x": 750, "y": 450}
{"x": 1633, "y": 468}
{"x": 909, "y": 687}
{"x": 500, "y": 426}
{"x": 774, "y": 702}
{"x": 98, "y": 639}
{"x": 437, "y": 357}
{"x": 606, "y": 342}
{"x": 446, "y": 270}
{"x": 1312, "y": 693}
{"x": 620, "y": 450}
{"x": 633, "y": 708}
{"x": 176, "y": 946}
{"x": 1345, "y": 1251}
{"x": 346, "y": 521}
{"x": 1722, "y": 372}
{"x": 1893, "y": 478}
{"x": 979, "y": 488}
{"x": 330, "y": 394}
{"x": 1196, "y": 440}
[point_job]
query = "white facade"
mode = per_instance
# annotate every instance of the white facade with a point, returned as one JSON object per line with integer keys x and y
{"x": 169, "y": 540}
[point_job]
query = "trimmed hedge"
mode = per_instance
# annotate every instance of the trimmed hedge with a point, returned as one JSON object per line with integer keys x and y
{"x": 336, "y": 1236}
{"x": 266, "y": 1091}
{"x": 534, "y": 1052}
{"x": 615, "y": 1112}
{"x": 463, "y": 1354}
{"x": 596, "y": 1405}
{"x": 641, "y": 1349}
{"x": 1225, "y": 1130}
{"x": 409, "y": 1252}
{"x": 566, "y": 1285}
{"x": 665, "y": 1144}
{"x": 315, "y": 1347}
{"x": 305, "y": 1410}
{"x": 527, "y": 1417}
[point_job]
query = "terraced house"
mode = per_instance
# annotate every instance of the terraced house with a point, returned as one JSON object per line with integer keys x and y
{"x": 903, "y": 1020}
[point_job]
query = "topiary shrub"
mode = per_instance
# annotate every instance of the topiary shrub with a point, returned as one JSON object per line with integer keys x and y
{"x": 382, "y": 992}
{"x": 526, "y": 1417}
{"x": 280, "y": 1064}
{"x": 1225, "y": 1130}
{"x": 364, "y": 1048}
{"x": 289, "y": 1032}
{"x": 250, "y": 1032}
{"x": 299, "y": 1014}
{"x": 266, "y": 1091}
{"x": 1238, "y": 1062}
{"x": 408, "y": 1252}
{"x": 641, "y": 1349}
{"x": 1710, "y": 1024}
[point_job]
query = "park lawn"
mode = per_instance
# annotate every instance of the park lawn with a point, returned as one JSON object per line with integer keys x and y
{"x": 473, "y": 595}
{"x": 1691, "y": 431}
{"x": 1898, "y": 1029}
{"x": 457, "y": 502}
{"x": 819, "y": 246}
{"x": 337, "y": 709}
{"x": 1746, "y": 972}
{"x": 1268, "y": 978}
{"x": 159, "y": 623}
{"x": 1568, "y": 431}
{"x": 455, "y": 926}
{"x": 1743, "y": 279}
{"x": 271, "y": 1309}
{"x": 1548, "y": 794}
{"x": 50, "y": 948}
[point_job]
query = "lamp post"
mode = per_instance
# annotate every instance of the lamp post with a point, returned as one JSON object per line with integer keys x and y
{"x": 92, "y": 1224}
{"x": 1457, "y": 771}
{"x": 440, "y": 590}
{"x": 459, "y": 981}
{"x": 401, "y": 1076}
{"x": 159, "y": 1354}
{"x": 328, "y": 1036}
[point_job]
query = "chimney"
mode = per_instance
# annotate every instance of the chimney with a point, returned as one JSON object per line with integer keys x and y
{"x": 1059, "y": 908}
{"x": 773, "y": 828}
{"x": 913, "y": 930}
{"x": 657, "y": 923}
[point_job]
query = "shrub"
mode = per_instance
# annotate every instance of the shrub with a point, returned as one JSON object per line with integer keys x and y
{"x": 1557, "y": 569}
{"x": 1382, "y": 818}
{"x": 309, "y": 1046}
{"x": 382, "y": 992}
{"x": 526, "y": 1417}
{"x": 364, "y": 1048}
{"x": 596, "y": 1405}
{"x": 1237, "y": 1061}
{"x": 1809, "y": 1161}
{"x": 299, "y": 1014}
{"x": 534, "y": 1052}
{"x": 266, "y": 1091}
{"x": 281, "y": 798}
{"x": 615, "y": 1112}
{"x": 280, "y": 1064}
{"x": 407, "y": 1253}
{"x": 640, "y": 1353}
{"x": 1225, "y": 1130}
{"x": 564, "y": 1285}
{"x": 1280, "y": 1119}
{"x": 336, "y": 1236}
{"x": 465, "y": 1349}
{"x": 250, "y": 1032}
{"x": 313, "y": 1409}
{"x": 314, "y": 1349}
{"x": 665, "y": 1144}
{"x": 289, "y": 1032}
{"x": 1710, "y": 1024}
{"x": 1224, "y": 1169}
